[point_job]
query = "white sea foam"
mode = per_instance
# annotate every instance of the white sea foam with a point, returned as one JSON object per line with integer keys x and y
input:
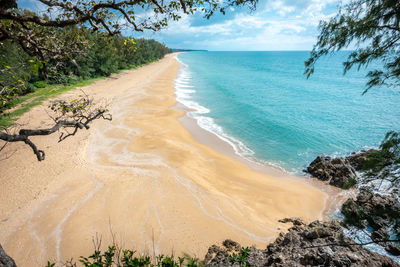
{"x": 184, "y": 96}
{"x": 360, "y": 237}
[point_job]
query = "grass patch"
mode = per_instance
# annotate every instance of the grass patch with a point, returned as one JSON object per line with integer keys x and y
{"x": 44, "y": 91}
{"x": 25, "y": 103}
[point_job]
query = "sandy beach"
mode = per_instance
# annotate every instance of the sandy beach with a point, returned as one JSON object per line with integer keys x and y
{"x": 143, "y": 180}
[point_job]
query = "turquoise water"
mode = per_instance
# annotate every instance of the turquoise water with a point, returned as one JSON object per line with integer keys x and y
{"x": 263, "y": 105}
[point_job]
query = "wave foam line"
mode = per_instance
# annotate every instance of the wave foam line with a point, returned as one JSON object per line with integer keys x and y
{"x": 184, "y": 96}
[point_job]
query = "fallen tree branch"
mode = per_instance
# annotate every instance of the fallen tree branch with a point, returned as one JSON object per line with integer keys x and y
{"x": 76, "y": 115}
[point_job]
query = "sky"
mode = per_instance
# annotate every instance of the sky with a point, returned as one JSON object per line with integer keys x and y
{"x": 274, "y": 25}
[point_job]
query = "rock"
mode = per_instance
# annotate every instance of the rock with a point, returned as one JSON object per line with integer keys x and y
{"x": 357, "y": 159}
{"x": 378, "y": 223}
{"x": 364, "y": 196}
{"x": 5, "y": 260}
{"x": 319, "y": 232}
{"x": 294, "y": 220}
{"x": 393, "y": 249}
{"x": 231, "y": 245}
{"x": 305, "y": 245}
{"x": 344, "y": 182}
{"x": 318, "y": 168}
{"x": 379, "y": 235}
{"x": 216, "y": 254}
{"x": 380, "y": 212}
{"x": 354, "y": 214}
{"x": 337, "y": 171}
{"x": 221, "y": 254}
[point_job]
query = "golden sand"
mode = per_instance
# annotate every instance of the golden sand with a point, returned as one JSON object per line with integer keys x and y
{"x": 142, "y": 177}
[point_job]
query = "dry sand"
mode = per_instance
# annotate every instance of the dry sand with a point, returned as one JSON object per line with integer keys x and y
{"x": 142, "y": 177}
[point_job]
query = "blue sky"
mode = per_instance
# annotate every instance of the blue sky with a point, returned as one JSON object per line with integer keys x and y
{"x": 275, "y": 25}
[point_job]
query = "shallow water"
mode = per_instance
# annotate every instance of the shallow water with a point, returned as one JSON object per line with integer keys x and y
{"x": 263, "y": 105}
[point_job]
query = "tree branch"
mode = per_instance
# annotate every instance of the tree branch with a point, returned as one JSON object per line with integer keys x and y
{"x": 24, "y": 134}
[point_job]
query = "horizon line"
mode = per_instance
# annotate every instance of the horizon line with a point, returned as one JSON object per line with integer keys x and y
{"x": 206, "y": 50}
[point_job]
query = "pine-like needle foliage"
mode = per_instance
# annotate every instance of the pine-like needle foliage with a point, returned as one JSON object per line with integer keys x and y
{"x": 373, "y": 28}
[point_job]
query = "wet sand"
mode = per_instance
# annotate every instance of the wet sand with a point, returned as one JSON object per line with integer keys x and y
{"x": 143, "y": 180}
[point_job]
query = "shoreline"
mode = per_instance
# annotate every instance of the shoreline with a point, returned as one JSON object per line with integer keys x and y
{"x": 143, "y": 178}
{"x": 335, "y": 198}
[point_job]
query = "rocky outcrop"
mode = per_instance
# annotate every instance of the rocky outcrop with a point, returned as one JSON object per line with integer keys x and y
{"x": 393, "y": 249}
{"x": 379, "y": 212}
{"x": 315, "y": 244}
{"x": 220, "y": 255}
{"x": 357, "y": 159}
{"x": 5, "y": 260}
{"x": 339, "y": 172}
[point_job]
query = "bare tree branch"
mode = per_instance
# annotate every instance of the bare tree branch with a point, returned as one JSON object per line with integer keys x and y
{"x": 77, "y": 114}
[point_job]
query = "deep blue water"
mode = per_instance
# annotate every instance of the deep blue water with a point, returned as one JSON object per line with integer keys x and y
{"x": 266, "y": 108}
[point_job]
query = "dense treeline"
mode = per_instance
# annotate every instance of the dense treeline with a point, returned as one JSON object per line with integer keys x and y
{"x": 95, "y": 54}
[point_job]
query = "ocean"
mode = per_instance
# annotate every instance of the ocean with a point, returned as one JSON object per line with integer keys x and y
{"x": 263, "y": 105}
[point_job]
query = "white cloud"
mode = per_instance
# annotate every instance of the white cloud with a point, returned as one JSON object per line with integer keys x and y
{"x": 281, "y": 8}
{"x": 281, "y": 25}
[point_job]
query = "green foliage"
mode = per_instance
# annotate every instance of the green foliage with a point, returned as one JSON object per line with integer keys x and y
{"x": 353, "y": 214}
{"x": 40, "y": 84}
{"x": 108, "y": 16}
{"x": 128, "y": 258}
{"x": 384, "y": 164}
{"x": 380, "y": 166}
{"x": 14, "y": 73}
{"x": 105, "y": 55}
{"x": 359, "y": 215}
{"x": 372, "y": 26}
{"x": 350, "y": 183}
{"x": 24, "y": 103}
{"x": 192, "y": 262}
{"x": 100, "y": 55}
{"x": 241, "y": 257}
{"x": 98, "y": 259}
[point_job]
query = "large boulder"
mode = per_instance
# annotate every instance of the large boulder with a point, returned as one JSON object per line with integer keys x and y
{"x": 393, "y": 248}
{"x": 341, "y": 171}
{"x": 380, "y": 211}
{"x": 315, "y": 244}
{"x": 338, "y": 171}
{"x": 5, "y": 260}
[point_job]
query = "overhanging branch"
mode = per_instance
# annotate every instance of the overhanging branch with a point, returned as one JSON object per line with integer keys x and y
{"x": 24, "y": 134}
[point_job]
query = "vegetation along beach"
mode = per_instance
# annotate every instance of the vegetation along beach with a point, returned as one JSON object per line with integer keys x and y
{"x": 199, "y": 133}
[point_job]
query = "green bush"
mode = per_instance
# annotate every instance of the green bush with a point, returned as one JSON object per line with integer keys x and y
{"x": 101, "y": 55}
{"x": 350, "y": 183}
{"x": 384, "y": 164}
{"x": 127, "y": 258}
{"x": 241, "y": 257}
{"x": 40, "y": 84}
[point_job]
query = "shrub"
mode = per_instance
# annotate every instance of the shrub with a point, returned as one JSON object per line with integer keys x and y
{"x": 40, "y": 84}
